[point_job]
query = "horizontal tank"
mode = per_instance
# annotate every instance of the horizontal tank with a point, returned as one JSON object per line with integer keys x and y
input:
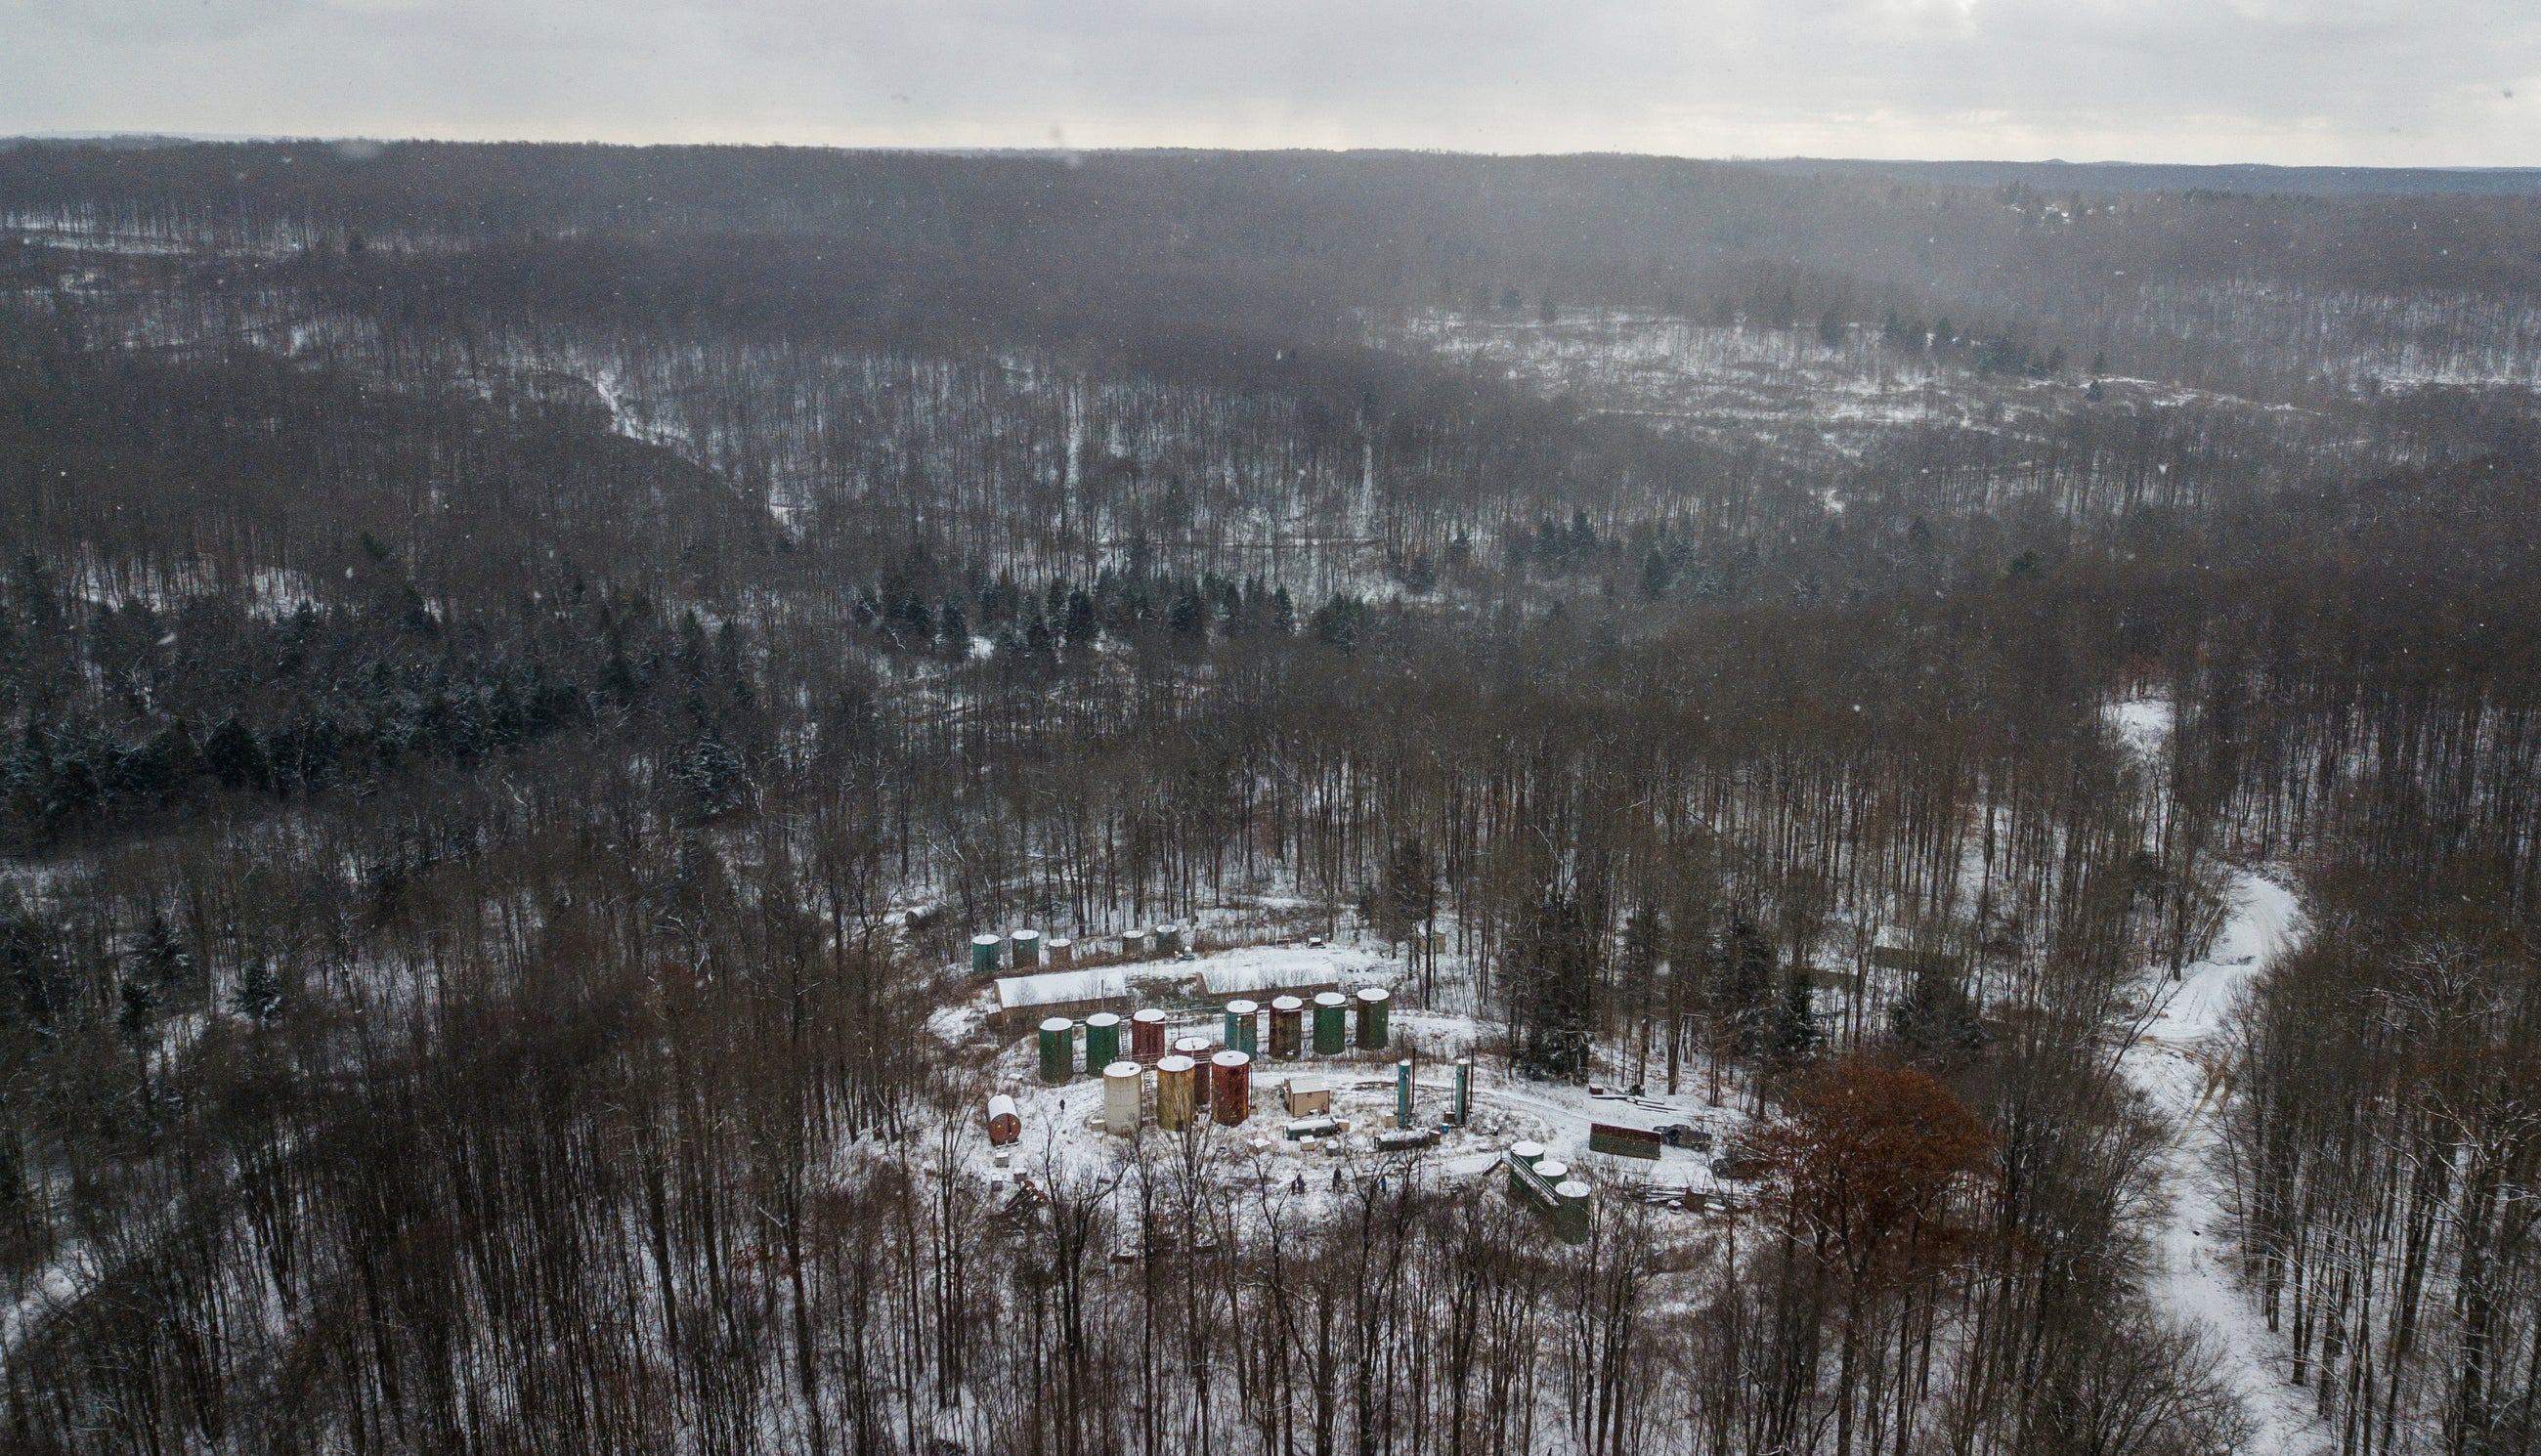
{"x": 1005, "y": 1124}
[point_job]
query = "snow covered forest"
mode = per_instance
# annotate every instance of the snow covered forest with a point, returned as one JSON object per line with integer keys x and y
{"x": 523, "y": 668}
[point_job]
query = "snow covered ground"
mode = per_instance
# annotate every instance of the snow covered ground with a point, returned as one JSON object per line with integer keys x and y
{"x": 2180, "y": 1062}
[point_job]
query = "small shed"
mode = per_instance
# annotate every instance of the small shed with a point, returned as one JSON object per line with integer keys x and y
{"x": 1025, "y": 1000}
{"x": 1306, "y": 1096}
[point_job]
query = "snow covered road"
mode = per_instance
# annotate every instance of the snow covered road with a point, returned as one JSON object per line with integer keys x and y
{"x": 2179, "y": 1063}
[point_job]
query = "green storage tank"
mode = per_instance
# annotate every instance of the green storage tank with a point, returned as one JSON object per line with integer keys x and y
{"x": 1057, "y": 1050}
{"x": 1102, "y": 1040}
{"x": 984, "y": 954}
{"x": 1375, "y": 1006}
{"x": 1243, "y": 1027}
{"x": 1332, "y": 1024}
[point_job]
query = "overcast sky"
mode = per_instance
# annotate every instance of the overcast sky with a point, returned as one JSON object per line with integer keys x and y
{"x": 2367, "y": 81}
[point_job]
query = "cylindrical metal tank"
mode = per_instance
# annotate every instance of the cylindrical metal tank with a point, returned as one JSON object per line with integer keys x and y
{"x": 1101, "y": 1039}
{"x": 1196, "y": 1050}
{"x": 1177, "y": 1093}
{"x": 1375, "y": 1005}
{"x": 1147, "y": 1035}
{"x": 1027, "y": 944}
{"x": 1169, "y": 941}
{"x": 1061, "y": 952}
{"x": 1231, "y": 1099}
{"x": 1464, "y": 1091}
{"x": 1243, "y": 1027}
{"x": 1402, "y": 1091}
{"x": 1527, "y": 1154}
{"x": 1332, "y": 1024}
{"x": 984, "y": 954}
{"x": 1057, "y": 1050}
{"x": 1134, "y": 944}
{"x": 1121, "y": 1081}
{"x": 1570, "y": 1215}
{"x": 1005, "y": 1124}
{"x": 1287, "y": 1017}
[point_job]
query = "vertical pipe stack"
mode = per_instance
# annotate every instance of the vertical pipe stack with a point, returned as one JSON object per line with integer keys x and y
{"x": 1401, "y": 1092}
{"x": 984, "y": 954}
{"x": 1057, "y": 1050}
{"x": 1121, "y": 1082}
{"x": 1101, "y": 1039}
{"x": 1197, "y": 1050}
{"x": 1232, "y": 1098}
{"x": 1375, "y": 1008}
{"x": 1027, "y": 944}
{"x": 1243, "y": 1027}
{"x": 1464, "y": 1091}
{"x": 1176, "y": 1094}
{"x": 1147, "y": 1035}
{"x": 1287, "y": 1012}
{"x": 1331, "y": 1024}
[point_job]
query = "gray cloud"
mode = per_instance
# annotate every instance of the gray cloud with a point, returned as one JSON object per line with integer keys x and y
{"x": 2422, "y": 82}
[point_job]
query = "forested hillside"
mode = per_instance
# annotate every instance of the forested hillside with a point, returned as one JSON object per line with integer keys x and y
{"x": 522, "y": 667}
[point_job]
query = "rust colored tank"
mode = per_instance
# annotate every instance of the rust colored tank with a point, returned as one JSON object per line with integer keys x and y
{"x": 1197, "y": 1050}
{"x": 1147, "y": 1035}
{"x": 1288, "y": 1015}
{"x": 1232, "y": 1101}
{"x": 1176, "y": 1094}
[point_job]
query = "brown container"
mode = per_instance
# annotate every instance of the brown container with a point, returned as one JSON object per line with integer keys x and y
{"x": 1177, "y": 1093}
{"x": 1287, "y": 1019}
{"x": 1147, "y": 1035}
{"x": 1232, "y": 1101}
{"x": 1197, "y": 1050}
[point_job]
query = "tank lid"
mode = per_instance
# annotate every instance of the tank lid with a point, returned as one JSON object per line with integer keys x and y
{"x": 1331, "y": 998}
{"x": 1373, "y": 995}
{"x": 1027, "y": 935}
{"x": 1190, "y": 1046}
{"x": 1571, "y": 1190}
{"x": 1241, "y": 1008}
{"x": 1121, "y": 1069}
{"x": 1287, "y": 1004}
{"x": 986, "y": 941}
{"x": 1151, "y": 1015}
{"x": 1002, "y": 1106}
{"x": 1177, "y": 1062}
{"x": 1058, "y": 1024}
{"x": 1527, "y": 1152}
{"x": 1551, "y": 1170}
{"x": 1103, "y": 1018}
{"x": 1230, "y": 1059}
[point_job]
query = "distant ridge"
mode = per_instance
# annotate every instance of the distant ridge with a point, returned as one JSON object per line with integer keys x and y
{"x": 2132, "y": 177}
